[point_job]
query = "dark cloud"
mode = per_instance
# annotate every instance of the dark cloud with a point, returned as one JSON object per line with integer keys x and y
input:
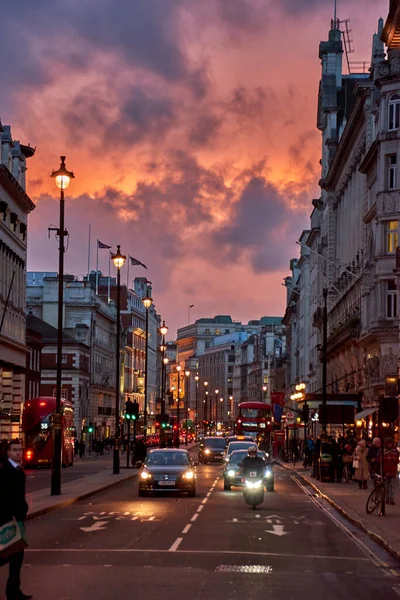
{"x": 260, "y": 225}
{"x": 244, "y": 14}
{"x": 204, "y": 130}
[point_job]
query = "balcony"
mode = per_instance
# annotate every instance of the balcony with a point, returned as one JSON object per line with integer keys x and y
{"x": 347, "y": 331}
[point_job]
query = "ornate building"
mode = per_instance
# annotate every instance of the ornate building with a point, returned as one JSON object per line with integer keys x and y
{"x": 354, "y": 225}
{"x": 15, "y": 205}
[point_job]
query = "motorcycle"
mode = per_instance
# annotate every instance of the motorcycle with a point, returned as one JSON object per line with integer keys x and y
{"x": 253, "y": 489}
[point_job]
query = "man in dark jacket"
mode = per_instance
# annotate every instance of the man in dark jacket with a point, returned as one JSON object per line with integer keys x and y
{"x": 13, "y": 506}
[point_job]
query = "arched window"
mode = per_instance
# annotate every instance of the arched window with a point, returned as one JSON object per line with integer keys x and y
{"x": 394, "y": 112}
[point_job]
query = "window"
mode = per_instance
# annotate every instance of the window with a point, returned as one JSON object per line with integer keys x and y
{"x": 391, "y": 299}
{"x": 64, "y": 358}
{"x": 391, "y": 236}
{"x": 394, "y": 112}
{"x": 392, "y": 172}
{"x": 217, "y": 332}
{"x": 64, "y": 393}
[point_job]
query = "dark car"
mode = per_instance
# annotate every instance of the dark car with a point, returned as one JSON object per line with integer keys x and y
{"x": 167, "y": 470}
{"x": 211, "y": 449}
{"x": 233, "y": 476}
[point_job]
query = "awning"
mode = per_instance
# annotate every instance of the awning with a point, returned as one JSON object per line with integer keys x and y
{"x": 365, "y": 413}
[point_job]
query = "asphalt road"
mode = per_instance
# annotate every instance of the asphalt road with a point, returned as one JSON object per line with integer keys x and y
{"x": 39, "y": 479}
{"x": 212, "y": 547}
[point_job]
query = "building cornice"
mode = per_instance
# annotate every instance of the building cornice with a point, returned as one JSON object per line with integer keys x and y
{"x": 391, "y": 31}
{"x": 17, "y": 191}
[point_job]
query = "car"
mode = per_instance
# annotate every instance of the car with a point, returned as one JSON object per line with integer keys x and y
{"x": 237, "y": 446}
{"x": 233, "y": 477}
{"x": 238, "y": 438}
{"x": 167, "y": 470}
{"x": 211, "y": 449}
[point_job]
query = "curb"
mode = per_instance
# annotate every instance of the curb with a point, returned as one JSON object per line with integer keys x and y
{"x": 371, "y": 534}
{"x": 65, "y": 503}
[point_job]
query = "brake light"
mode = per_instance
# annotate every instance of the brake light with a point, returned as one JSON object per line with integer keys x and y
{"x": 29, "y": 454}
{"x": 42, "y": 403}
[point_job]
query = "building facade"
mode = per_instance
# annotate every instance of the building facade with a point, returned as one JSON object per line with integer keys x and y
{"x": 15, "y": 205}
{"x": 354, "y": 235}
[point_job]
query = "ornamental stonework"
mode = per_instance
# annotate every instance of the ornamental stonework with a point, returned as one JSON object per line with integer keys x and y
{"x": 387, "y": 203}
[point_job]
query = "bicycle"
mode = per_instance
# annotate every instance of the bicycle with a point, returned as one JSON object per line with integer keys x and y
{"x": 377, "y": 496}
{"x": 346, "y": 473}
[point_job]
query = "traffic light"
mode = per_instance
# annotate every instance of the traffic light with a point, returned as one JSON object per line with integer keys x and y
{"x": 90, "y": 428}
{"x": 305, "y": 413}
{"x": 131, "y": 410}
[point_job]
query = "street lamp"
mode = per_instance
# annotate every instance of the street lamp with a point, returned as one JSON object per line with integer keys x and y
{"x": 195, "y": 412}
{"x": 216, "y": 404}
{"x": 187, "y": 373}
{"x": 221, "y": 400}
{"x": 163, "y": 331}
{"x": 147, "y": 301}
{"x": 177, "y": 441}
{"x": 63, "y": 179}
{"x": 205, "y": 412}
{"x": 118, "y": 260}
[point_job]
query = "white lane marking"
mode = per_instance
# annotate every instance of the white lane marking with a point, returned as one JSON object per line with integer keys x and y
{"x": 107, "y": 565}
{"x": 235, "y": 520}
{"x": 229, "y": 552}
{"x": 257, "y": 516}
{"x": 134, "y": 518}
{"x": 277, "y": 530}
{"x": 200, "y": 508}
{"x": 396, "y": 589}
{"x": 175, "y": 545}
{"x": 204, "y": 501}
{"x": 194, "y": 517}
{"x": 186, "y": 529}
{"x": 66, "y": 565}
{"x": 208, "y": 495}
{"x": 96, "y": 526}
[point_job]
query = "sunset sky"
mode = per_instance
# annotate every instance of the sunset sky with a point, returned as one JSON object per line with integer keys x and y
{"x": 190, "y": 126}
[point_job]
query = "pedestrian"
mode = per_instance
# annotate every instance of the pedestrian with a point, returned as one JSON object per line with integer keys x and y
{"x": 390, "y": 462}
{"x": 76, "y": 447}
{"x": 82, "y": 448}
{"x": 339, "y": 461}
{"x": 360, "y": 465}
{"x": 13, "y": 505}
{"x": 373, "y": 457}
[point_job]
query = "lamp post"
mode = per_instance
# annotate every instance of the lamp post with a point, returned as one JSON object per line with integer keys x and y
{"x": 264, "y": 389}
{"x": 196, "y": 407}
{"x": 187, "y": 373}
{"x": 205, "y": 412}
{"x": 177, "y": 441}
{"x": 118, "y": 260}
{"x": 147, "y": 302}
{"x": 221, "y": 404}
{"x": 231, "y": 409}
{"x": 63, "y": 179}
{"x": 216, "y": 392}
{"x": 163, "y": 332}
{"x": 324, "y": 356}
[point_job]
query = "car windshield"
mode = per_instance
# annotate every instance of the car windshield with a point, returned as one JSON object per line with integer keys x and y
{"x": 167, "y": 458}
{"x": 215, "y": 443}
{"x": 237, "y": 457}
{"x": 239, "y": 446}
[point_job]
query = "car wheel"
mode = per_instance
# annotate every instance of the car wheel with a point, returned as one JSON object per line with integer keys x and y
{"x": 192, "y": 493}
{"x": 227, "y": 487}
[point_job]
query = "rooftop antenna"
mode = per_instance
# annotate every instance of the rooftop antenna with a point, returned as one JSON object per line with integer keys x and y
{"x": 335, "y": 20}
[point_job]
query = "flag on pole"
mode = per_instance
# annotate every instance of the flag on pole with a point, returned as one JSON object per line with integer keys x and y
{"x": 135, "y": 262}
{"x": 101, "y": 245}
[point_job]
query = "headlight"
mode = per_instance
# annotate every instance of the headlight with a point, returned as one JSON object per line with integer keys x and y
{"x": 207, "y": 451}
{"x": 188, "y": 475}
{"x": 226, "y": 458}
{"x": 231, "y": 473}
{"x": 267, "y": 454}
{"x": 268, "y": 473}
{"x": 145, "y": 475}
{"x": 253, "y": 485}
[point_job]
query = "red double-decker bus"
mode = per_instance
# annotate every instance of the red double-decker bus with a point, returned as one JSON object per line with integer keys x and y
{"x": 37, "y": 429}
{"x": 254, "y": 418}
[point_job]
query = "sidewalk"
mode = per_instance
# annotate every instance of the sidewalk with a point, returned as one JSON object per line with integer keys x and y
{"x": 41, "y": 502}
{"x": 347, "y": 499}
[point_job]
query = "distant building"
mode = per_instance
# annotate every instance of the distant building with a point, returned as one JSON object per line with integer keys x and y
{"x": 15, "y": 205}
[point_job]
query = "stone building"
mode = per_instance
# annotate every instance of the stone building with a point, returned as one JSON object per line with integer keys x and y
{"x": 354, "y": 225}
{"x": 15, "y": 205}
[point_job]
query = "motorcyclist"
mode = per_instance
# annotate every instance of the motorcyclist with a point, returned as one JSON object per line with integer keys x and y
{"x": 252, "y": 463}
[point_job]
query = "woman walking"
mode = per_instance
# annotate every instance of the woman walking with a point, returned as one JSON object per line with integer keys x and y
{"x": 360, "y": 464}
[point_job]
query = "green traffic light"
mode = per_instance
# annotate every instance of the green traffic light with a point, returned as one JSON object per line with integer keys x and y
{"x": 134, "y": 417}
{"x": 128, "y": 416}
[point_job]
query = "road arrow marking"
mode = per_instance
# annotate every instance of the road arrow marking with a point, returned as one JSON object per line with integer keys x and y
{"x": 277, "y": 530}
{"x": 95, "y": 526}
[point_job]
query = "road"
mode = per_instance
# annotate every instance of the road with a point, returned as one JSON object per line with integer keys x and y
{"x": 212, "y": 547}
{"x": 39, "y": 479}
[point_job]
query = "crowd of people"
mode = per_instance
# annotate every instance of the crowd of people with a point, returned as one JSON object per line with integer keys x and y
{"x": 359, "y": 460}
